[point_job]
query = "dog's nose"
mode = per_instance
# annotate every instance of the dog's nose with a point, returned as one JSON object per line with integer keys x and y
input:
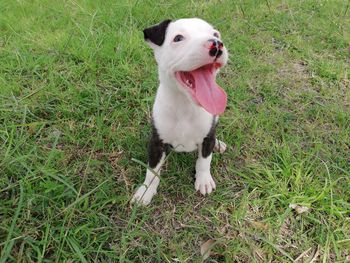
{"x": 216, "y": 43}
{"x": 215, "y": 48}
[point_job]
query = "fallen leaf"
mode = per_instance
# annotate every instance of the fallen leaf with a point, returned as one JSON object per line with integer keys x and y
{"x": 259, "y": 225}
{"x": 32, "y": 128}
{"x": 206, "y": 248}
{"x": 299, "y": 208}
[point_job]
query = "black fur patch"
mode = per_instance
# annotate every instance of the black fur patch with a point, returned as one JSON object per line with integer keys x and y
{"x": 156, "y": 147}
{"x": 156, "y": 34}
{"x": 208, "y": 143}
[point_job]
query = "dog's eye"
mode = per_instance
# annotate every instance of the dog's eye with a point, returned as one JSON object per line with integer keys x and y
{"x": 216, "y": 34}
{"x": 178, "y": 38}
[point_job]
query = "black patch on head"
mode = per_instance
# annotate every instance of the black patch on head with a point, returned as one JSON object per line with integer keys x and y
{"x": 208, "y": 143}
{"x": 156, "y": 34}
{"x": 156, "y": 147}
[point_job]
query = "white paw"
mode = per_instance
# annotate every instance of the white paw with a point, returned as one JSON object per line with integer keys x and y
{"x": 143, "y": 195}
{"x": 204, "y": 183}
{"x": 220, "y": 146}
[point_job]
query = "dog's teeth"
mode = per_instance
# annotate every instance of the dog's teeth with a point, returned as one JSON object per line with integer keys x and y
{"x": 189, "y": 83}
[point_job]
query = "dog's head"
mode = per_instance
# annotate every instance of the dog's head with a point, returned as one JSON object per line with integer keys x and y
{"x": 190, "y": 52}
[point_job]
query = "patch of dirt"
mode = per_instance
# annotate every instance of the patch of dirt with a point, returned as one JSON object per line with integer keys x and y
{"x": 296, "y": 73}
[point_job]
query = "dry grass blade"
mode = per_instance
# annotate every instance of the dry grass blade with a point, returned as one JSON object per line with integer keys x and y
{"x": 206, "y": 248}
{"x": 301, "y": 256}
{"x": 316, "y": 255}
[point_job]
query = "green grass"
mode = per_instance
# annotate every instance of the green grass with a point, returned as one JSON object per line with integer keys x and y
{"x": 77, "y": 84}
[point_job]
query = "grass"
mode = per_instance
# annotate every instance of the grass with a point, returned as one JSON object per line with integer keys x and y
{"x": 77, "y": 84}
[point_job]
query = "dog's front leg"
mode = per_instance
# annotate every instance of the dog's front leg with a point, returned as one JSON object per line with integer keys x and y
{"x": 204, "y": 182}
{"x": 156, "y": 157}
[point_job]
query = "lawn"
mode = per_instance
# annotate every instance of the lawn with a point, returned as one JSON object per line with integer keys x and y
{"x": 77, "y": 83}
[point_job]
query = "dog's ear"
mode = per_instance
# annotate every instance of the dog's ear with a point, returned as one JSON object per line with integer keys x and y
{"x": 156, "y": 34}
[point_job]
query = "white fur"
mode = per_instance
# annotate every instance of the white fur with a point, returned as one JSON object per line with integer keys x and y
{"x": 204, "y": 182}
{"x": 180, "y": 122}
{"x": 177, "y": 118}
{"x": 148, "y": 189}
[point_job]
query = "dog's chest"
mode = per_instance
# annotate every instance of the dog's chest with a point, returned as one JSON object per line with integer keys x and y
{"x": 180, "y": 123}
{"x": 184, "y": 134}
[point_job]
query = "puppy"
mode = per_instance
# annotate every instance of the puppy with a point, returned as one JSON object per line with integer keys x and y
{"x": 189, "y": 53}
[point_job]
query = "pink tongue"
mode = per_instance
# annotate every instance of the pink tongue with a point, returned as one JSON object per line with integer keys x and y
{"x": 209, "y": 95}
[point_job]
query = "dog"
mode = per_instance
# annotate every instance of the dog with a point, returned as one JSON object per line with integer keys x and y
{"x": 189, "y": 53}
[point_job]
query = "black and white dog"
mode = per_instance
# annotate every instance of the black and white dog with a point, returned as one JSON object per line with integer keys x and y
{"x": 189, "y": 53}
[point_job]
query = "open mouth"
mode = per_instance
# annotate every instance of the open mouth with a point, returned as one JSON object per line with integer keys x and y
{"x": 201, "y": 84}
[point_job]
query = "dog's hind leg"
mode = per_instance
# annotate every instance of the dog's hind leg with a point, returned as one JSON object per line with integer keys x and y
{"x": 220, "y": 146}
{"x": 156, "y": 157}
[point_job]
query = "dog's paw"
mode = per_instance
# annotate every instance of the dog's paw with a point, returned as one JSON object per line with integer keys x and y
{"x": 204, "y": 183}
{"x": 143, "y": 195}
{"x": 220, "y": 146}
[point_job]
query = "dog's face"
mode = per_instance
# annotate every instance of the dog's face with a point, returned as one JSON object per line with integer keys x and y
{"x": 190, "y": 52}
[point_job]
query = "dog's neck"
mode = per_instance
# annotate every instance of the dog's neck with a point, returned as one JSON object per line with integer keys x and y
{"x": 169, "y": 84}
{"x": 167, "y": 79}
